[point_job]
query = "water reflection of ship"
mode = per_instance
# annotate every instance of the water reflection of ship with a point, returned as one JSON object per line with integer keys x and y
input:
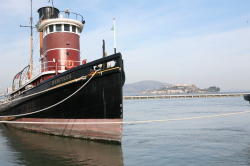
{"x": 38, "y": 149}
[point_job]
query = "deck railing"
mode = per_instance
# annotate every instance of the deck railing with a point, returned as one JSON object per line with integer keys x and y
{"x": 71, "y": 15}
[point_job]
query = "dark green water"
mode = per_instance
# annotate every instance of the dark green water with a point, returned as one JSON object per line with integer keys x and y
{"x": 213, "y": 141}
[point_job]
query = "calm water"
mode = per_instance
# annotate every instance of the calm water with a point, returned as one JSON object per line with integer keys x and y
{"x": 214, "y": 141}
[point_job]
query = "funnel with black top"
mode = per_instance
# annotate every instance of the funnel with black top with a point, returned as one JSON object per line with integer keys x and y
{"x": 48, "y": 12}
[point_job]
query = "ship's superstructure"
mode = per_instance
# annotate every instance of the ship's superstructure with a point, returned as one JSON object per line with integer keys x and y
{"x": 59, "y": 40}
{"x": 59, "y": 47}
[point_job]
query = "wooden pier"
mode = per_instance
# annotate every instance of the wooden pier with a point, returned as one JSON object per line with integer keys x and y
{"x": 185, "y": 96}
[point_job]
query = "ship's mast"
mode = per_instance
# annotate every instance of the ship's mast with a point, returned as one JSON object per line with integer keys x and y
{"x": 114, "y": 34}
{"x": 52, "y": 2}
{"x": 31, "y": 39}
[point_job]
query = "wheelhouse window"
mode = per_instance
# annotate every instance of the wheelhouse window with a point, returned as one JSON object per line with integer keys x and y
{"x": 78, "y": 30}
{"x": 44, "y": 31}
{"x": 66, "y": 27}
{"x": 61, "y": 28}
{"x": 73, "y": 28}
{"x": 58, "y": 27}
{"x": 51, "y": 28}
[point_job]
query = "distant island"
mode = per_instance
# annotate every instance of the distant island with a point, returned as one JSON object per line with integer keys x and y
{"x": 159, "y": 88}
{"x": 181, "y": 89}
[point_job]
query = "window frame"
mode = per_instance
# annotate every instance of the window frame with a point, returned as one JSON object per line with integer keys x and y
{"x": 61, "y": 27}
{"x": 68, "y": 26}
{"x": 51, "y": 28}
{"x": 73, "y": 27}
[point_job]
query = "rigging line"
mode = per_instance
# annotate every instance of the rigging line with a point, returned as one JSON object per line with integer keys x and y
{"x": 52, "y": 88}
{"x": 129, "y": 122}
{"x": 46, "y": 108}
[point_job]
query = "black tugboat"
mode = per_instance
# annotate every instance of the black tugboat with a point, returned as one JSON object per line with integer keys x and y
{"x": 69, "y": 97}
{"x": 247, "y": 97}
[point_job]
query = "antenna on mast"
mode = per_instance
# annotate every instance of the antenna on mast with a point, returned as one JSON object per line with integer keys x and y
{"x": 52, "y": 2}
{"x": 31, "y": 39}
{"x": 114, "y": 34}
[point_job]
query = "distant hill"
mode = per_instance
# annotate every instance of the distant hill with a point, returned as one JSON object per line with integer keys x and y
{"x": 138, "y": 87}
{"x": 150, "y": 87}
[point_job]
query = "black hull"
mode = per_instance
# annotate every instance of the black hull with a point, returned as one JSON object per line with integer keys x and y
{"x": 101, "y": 98}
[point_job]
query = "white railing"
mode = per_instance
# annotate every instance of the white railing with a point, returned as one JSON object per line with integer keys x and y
{"x": 71, "y": 15}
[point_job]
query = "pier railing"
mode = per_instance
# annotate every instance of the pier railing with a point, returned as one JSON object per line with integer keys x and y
{"x": 185, "y": 96}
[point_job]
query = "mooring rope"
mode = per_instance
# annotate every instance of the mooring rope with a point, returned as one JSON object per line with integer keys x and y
{"x": 46, "y": 108}
{"x": 129, "y": 122}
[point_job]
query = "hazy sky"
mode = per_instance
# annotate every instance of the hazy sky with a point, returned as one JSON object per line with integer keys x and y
{"x": 203, "y": 42}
